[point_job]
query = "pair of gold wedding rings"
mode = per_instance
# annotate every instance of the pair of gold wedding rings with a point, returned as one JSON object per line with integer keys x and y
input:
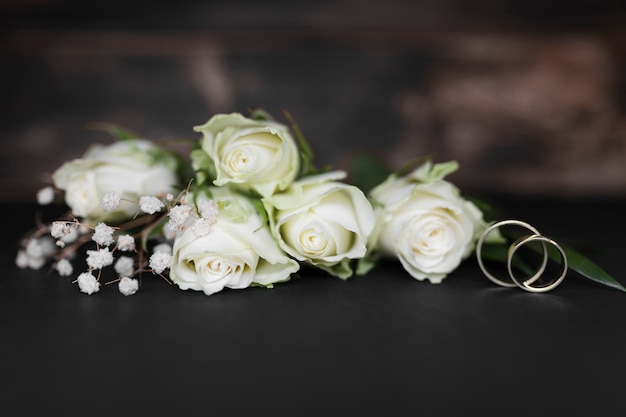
{"x": 531, "y": 283}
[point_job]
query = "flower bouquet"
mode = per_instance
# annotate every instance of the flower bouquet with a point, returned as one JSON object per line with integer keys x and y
{"x": 245, "y": 206}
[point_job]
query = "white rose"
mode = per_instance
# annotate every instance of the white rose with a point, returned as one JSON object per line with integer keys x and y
{"x": 322, "y": 221}
{"x": 239, "y": 250}
{"x": 261, "y": 156}
{"x": 130, "y": 168}
{"x": 423, "y": 221}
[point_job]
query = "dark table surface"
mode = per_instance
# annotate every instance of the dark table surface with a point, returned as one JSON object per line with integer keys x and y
{"x": 381, "y": 344}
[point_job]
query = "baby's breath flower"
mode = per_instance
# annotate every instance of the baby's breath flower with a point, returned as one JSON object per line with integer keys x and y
{"x": 125, "y": 266}
{"x": 160, "y": 261}
{"x": 40, "y": 248}
{"x": 163, "y": 247}
{"x": 103, "y": 235}
{"x": 35, "y": 254}
{"x": 170, "y": 231}
{"x": 45, "y": 196}
{"x": 88, "y": 283}
{"x": 150, "y": 205}
{"x": 98, "y": 259}
{"x": 21, "y": 260}
{"x": 126, "y": 243}
{"x": 179, "y": 216}
{"x": 36, "y": 262}
{"x": 201, "y": 227}
{"x": 64, "y": 232}
{"x": 110, "y": 201}
{"x": 64, "y": 267}
{"x": 72, "y": 235}
{"x": 169, "y": 197}
{"x": 208, "y": 209}
{"x": 128, "y": 286}
{"x": 59, "y": 229}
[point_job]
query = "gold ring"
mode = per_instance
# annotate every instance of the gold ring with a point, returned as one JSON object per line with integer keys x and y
{"x": 527, "y": 283}
{"x": 509, "y": 283}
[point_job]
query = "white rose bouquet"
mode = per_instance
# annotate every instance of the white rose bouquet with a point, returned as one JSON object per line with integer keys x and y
{"x": 253, "y": 209}
{"x": 424, "y": 222}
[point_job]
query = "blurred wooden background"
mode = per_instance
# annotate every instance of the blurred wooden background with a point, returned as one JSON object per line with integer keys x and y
{"x": 529, "y": 97}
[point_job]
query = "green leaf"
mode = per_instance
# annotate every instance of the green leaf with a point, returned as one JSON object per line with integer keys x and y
{"x": 587, "y": 268}
{"x": 306, "y": 153}
{"x": 441, "y": 170}
{"x": 117, "y": 131}
{"x": 413, "y": 164}
{"x": 367, "y": 263}
{"x": 261, "y": 115}
{"x": 367, "y": 171}
{"x": 203, "y": 166}
{"x": 260, "y": 208}
{"x": 489, "y": 212}
{"x": 342, "y": 269}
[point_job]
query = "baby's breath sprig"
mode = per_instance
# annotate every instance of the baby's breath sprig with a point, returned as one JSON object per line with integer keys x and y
{"x": 158, "y": 221}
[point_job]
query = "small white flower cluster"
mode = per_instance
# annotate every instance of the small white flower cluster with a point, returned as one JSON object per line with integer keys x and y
{"x": 35, "y": 253}
{"x": 150, "y": 204}
{"x": 110, "y": 201}
{"x": 60, "y": 239}
{"x": 182, "y": 216}
{"x": 64, "y": 232}
{"x": 45, "y": 196}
